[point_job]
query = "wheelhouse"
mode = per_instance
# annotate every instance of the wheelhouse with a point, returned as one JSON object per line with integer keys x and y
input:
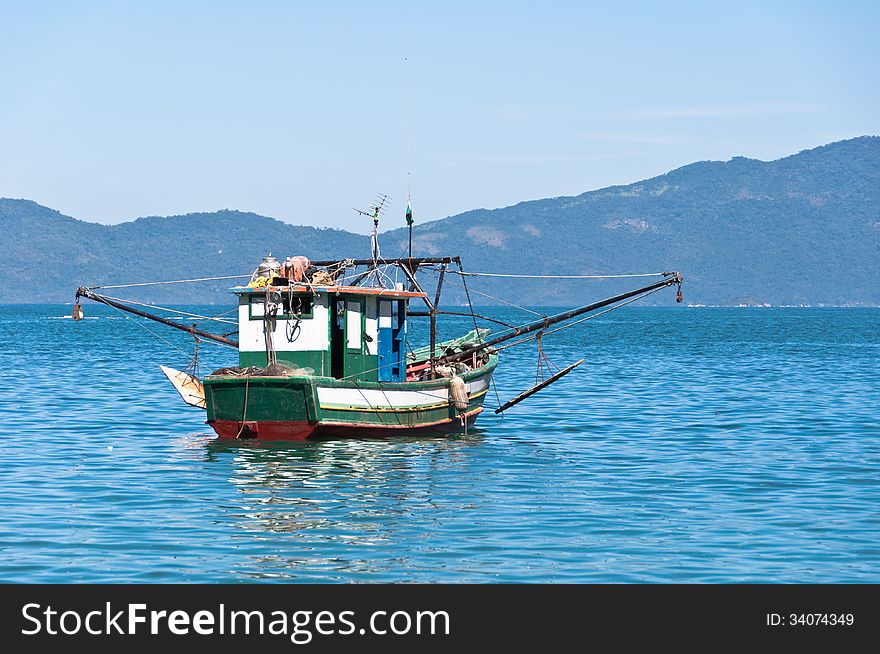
{"x": 344, "y": 332}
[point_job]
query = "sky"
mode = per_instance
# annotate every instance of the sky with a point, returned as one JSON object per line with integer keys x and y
{"x": 114, "y": 110}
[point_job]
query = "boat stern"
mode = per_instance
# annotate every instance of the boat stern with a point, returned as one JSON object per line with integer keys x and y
{"x": 270, "y": 408}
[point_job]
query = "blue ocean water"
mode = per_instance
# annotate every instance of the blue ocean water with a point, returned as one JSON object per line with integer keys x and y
{"x": 694, "y": 445}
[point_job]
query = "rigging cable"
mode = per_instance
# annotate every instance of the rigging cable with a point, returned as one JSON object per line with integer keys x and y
{"x": 576, "y": 322}
{"x": 479, "y": 336}
{"x": 596, "y": 315}
{"x": 182, "y": 313}
{"x": 167, "y": 342}
{"x": 247, "y": 383}
{"x": 173, "y": 281}
{"x": 491, "y": 297}
{"x": 483, "y": 274}
{"x": 468, "y": 294}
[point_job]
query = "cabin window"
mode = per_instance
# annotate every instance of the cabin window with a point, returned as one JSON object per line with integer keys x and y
{"x": 297, "y": 306}
{"x": 290, "y": 307}
{"x": 353, "y": 332}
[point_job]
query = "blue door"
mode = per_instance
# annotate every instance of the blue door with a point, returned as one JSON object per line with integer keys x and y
{"x": 392, "y": 330}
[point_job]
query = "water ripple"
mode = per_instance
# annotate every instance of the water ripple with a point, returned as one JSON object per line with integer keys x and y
{"x": 709, "y": 445}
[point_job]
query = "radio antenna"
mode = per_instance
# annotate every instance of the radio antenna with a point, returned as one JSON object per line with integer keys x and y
{"x": 376, "y": 209}
{"x": 409, "y": 216}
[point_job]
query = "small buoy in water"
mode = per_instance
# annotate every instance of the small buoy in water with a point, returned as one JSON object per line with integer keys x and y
{"x": 458, "y": 390}
{"x": 110, "y": 448}
{"x": 77, "y": 311}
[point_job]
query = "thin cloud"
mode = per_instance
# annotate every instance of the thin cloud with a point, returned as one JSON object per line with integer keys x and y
{"x": 540, "y": 159}
{"x": 668, "y": 140}
{"x": 566, "y": 113}
{"x": 727, "y": 110}
{"x": 640, "y": 139}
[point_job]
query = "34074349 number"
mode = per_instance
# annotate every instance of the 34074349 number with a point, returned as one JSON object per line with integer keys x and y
{"x": 810, "y": 619}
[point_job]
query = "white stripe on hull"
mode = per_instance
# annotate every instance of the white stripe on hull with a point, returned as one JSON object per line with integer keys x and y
{"x": 373, "y": 398}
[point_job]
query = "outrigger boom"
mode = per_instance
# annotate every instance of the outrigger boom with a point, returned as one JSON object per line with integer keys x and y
{"x": 671, "y": 278}
{"x": 537, "y": 387}
{"x": 86, "y": 292}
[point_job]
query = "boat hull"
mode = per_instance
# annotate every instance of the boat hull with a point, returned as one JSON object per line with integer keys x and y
{"x": 298, "y": 408}
{"x": 268, "y": 430}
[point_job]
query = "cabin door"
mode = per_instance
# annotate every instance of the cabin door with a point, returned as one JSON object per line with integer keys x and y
{"x": 392, "y": 323}
{"x": 355, "y": 354}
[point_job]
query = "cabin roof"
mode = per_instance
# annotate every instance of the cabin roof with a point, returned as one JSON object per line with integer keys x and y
{"x": 347, "y": 290}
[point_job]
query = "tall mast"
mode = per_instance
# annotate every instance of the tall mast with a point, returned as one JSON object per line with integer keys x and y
{"x": 409, "y": 216}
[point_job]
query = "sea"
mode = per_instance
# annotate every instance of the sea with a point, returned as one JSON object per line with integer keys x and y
{"x": 693, "y": 445}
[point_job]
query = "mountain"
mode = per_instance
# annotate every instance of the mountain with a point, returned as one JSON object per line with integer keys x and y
{"x": 50, "y": 254}
{"x": 804, "y": 229}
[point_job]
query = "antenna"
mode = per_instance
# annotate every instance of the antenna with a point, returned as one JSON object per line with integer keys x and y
{"x": 376, "y": 209}
{"x": 409, "y": 218}
{"x": 406, "y": 127}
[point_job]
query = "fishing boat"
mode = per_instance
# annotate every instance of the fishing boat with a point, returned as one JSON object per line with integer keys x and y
{"x": 323, "y": 349}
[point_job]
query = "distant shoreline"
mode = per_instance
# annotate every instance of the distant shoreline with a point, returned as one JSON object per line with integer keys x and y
{"x": 553, "y": 306}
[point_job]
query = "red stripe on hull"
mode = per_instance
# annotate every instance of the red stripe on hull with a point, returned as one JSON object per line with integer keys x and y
{"x": 300, "y": 431}
{"x": 264, "y": 430}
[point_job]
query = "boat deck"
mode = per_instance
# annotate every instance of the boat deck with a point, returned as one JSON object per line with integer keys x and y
{"x": 348, "y": 290}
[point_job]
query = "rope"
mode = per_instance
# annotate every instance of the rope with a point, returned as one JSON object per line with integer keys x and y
{"x": 377, "y": 272}
{"x": 576, "y": 322}
{"x": 497, "y": 397}
{"x": 596, "y": 315}
{"x": 543, "y": 360}
{"x": 293, "y": 328}
{"x": 270, "y": 310}
{"x": 376, "y": 369}
{"x": 192, "y": 368}
{"x": 247, "y": 383}
{"x": 225, "y": 313}
{"x": 470, "y": 304}
{"x": 182, "y": 313}
{"x": 167, "y": 342}
{"x": 491, "y": 297}
{"x": 483, "y": 274}
{"x": 173, "y": 281}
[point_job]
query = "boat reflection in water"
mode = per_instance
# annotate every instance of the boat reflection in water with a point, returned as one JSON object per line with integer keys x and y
{"x": 337, "y": 506}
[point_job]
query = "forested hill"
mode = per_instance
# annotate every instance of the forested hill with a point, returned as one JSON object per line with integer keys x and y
{"x": 49, "y": 254}
{"x": 804, "y": 229}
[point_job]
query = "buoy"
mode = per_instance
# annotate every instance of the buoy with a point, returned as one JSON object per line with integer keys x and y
{"x": 458, "y": 391}
{"x": 77, "y": 311}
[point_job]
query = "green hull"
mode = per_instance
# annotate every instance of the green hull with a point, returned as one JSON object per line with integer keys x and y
{"x": 295, "y": 408}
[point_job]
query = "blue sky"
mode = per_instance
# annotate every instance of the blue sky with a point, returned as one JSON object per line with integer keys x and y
{"x": 110, "y": 111}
